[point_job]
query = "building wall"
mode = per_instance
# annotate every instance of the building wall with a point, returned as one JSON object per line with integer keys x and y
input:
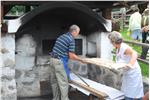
{"x": 93, "y": 44}
{"x": 26, "y": 71}
{"x": 8, "y": 82}
{"x": 105, "y": 47}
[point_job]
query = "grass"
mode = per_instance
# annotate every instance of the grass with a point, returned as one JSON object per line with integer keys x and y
{"x": 144, "y": 67}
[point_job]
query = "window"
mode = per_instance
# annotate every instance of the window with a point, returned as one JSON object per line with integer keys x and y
{"x": 78, "y": 46}
{"x": 47, "y": 45}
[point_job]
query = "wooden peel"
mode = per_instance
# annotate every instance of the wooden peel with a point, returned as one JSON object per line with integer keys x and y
{"x": 104, "y": 63}
{"x": 80, "y": 78}
{"x": 93, "y": 91}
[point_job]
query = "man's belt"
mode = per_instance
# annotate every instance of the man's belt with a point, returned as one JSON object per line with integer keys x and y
{"x": 54, "y": 55}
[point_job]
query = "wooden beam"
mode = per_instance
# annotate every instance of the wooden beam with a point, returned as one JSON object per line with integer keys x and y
{"x": 2, "y": 13}
{"x": 142, "y": 60}
{"x": 27, "y": 8}
{"x": 136, "y": 43}
{"x": 93, "y": 91}
{"x": 23, "y": 2}
{"x": 139, "y": 59}
{"x": 100, "y": 62}
{"x": 106, "y": 13}
{"x": 97, "y": 4}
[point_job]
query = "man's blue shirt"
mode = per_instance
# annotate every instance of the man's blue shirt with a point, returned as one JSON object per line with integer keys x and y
{"x": 64, "y": 44}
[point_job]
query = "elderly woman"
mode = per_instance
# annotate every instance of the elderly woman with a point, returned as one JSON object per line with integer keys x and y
{"x": 132, "y": 85}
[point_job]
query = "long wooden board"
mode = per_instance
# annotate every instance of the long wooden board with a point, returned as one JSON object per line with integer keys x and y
{"x": 96, "y": 89}
{"x": 93, "y": 91}
{"x": 104, "y": 63}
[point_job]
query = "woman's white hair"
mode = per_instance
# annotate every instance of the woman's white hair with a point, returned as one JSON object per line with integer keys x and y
{"x": 115, "y": 37}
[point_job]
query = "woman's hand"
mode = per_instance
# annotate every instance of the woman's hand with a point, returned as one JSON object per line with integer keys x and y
{"x": 129, "y": 65}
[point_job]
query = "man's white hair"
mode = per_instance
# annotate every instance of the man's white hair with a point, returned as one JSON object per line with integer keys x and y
{"x": 74, "y": 28}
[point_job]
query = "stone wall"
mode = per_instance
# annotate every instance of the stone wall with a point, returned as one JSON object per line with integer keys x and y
{"x": 104, "y": 76}
{"x": 8, "y": 83}
{"x": 31, "y": 70}
{"x": 96, "y": 73}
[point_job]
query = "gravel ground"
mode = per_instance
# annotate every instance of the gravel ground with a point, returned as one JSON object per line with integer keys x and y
{"x": 72, "y": 96}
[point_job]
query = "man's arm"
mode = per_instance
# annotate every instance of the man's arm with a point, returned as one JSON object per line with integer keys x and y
{"x": 73, "y": 56}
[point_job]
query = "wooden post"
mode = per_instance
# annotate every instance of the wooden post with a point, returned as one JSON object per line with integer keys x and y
{"x": 90, "y": 97}
{"x": 98, "y": 46}
{"x": 106, "y": 13}
{"x": 1, "y": 20}
{"x": 27, "y": 9}
{"x": 2, "y": 12}
{"x": 3, "y": 26}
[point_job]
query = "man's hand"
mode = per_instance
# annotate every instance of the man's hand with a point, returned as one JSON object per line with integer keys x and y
{"x": 83, "y": 61}
{"x": 73, "y": 56}
{"x": 145, "y": 29}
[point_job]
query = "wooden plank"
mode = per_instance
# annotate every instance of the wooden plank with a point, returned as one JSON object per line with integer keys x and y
{"x": 139, "y": 59}
{"x": 93, "y": 91}
{"x": 104, "y": 63}
{"x": 143, "y": 60}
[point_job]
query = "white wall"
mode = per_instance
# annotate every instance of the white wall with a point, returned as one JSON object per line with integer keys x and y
{"x": 94, "y": 44}
{"x": 13, "y": 25}
{"x": 106, "y": 46}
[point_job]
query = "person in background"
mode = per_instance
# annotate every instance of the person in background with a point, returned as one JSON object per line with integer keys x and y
{"x": 132, "y": 84}
{"x": 145, "y": 32}
{"x": 135, "y": 24}
{"x": 63, "y": 50}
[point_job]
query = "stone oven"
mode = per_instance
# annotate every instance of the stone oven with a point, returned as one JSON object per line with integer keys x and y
{"x": 35, "y": 35}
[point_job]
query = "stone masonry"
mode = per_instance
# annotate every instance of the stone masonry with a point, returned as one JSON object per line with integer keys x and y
{"x": 8, "y": 83}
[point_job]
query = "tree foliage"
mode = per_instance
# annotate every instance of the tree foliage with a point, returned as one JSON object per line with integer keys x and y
{"x": 17, "y": 9}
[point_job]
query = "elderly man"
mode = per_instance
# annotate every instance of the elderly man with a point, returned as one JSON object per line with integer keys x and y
{"x": 132, "y": 84}
{"x": 63, "y": 49}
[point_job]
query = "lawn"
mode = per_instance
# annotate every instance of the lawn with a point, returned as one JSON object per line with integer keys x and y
{"x": 144, "y": 67}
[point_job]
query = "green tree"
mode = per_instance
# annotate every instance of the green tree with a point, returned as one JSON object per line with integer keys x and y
{"x": 18, "y": 9}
